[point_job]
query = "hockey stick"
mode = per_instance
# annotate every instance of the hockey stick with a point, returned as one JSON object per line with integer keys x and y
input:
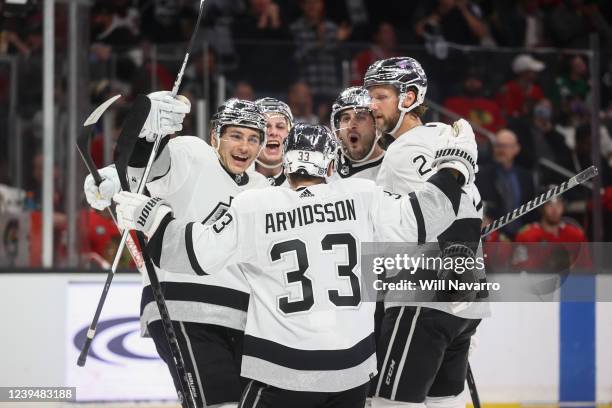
{"x": 472, "y": 387}
{"x": 125, "y": 145}
{"x": 128, "y": 146}
{"x": 579, "y": 178}
{"x": 83, "y": 148}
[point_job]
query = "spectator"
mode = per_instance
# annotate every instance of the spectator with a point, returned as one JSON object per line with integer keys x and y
{"x": 561, "y": 235}
{"x": 160, "y": 21}
{"x": 549, "y": 143}
{"x": 316, "y": 42}
{"x": 202, "y": 66}
{"x": 473, "y": 105}
{"x": 503, "y": 185}
{"x": 263, "y": 45}
{"x": 518, "y": 24}
{"x": 570, "y": 25}
{"x": 244, "y": 90}
{"x": 540, "y": 139}
{"x": 300, "y": 101}
{"x": 573, "y": 83}
{"x": 384, "y": 46}
{"x": 551, "y": 227}
{"x": 457, "y": 21}
{"x": 113, "y": 24}
{"x": 517, "y": 97}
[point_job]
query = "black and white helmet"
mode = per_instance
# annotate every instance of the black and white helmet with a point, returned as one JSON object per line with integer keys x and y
{"x": 242, "y": 113}
{"x": 355, "y": 97}
{"x": 309, "y": 149}
{"x": 403, "y": 73}
{"x": 274, "y": 106}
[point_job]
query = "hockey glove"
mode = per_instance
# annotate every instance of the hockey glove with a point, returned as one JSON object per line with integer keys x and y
{"x": 139, "y": 212}
{"x": 458, "y": 270}
{"x": 166, "y": 115}
{"x": 99, "y": 197}
{"x": 458, "y": 150}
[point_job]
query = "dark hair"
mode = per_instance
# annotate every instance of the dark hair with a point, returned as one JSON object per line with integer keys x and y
{"x": 297, "y": 178}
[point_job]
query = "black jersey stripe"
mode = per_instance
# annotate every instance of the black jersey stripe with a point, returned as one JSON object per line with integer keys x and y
{"x": 418, "y": 214}
{"x": 315, "y": 360}
{"x": 446, "y": 182}
{"x": 197, "y": 292}
{"x": 154, "y": 247}
{"x": 193, "y": 260}
{"x": 354, "y": 168}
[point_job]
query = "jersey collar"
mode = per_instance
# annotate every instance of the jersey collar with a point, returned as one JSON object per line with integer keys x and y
{"x": 239, "y": 179}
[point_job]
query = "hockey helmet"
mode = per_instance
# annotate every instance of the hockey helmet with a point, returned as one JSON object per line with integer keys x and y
{"x": 401, "y": 72}
{"x": 309, "y": 149}
{"x": 274, "y": 106}
{"x": 242, "y": 113}
{"x": 355, "y": 97}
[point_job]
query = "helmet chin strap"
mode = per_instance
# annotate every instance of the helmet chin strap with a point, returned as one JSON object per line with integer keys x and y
{"x": 403, "y": 113}
{"x": 268, "y": 166}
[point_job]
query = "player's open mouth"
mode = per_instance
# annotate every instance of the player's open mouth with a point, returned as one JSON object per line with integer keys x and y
{"x": 273, "y": 146}
{"x": 353, "y": 138}
{"x": 241, "y": 159}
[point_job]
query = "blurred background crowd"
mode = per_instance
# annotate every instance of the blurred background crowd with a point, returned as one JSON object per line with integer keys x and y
{"x": 520, "y": 71}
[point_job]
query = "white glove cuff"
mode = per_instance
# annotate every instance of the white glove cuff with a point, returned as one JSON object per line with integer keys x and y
{"x": 457, "y": 159}
{"x": 460, "y": 166}
{"x": 159, "y": 216}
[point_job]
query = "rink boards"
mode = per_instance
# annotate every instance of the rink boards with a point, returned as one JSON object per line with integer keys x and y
{"x": 527, "y": 353}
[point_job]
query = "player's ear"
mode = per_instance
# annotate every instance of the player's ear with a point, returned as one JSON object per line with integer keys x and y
{"x": 409, "y": 99}
{"x": 213, "y": 138}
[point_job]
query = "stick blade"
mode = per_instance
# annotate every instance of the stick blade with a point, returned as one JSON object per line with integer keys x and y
{"x": 95, "y": 115}
{"x": 132, "y": 126}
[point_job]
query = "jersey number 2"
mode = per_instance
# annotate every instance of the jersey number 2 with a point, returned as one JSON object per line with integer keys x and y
{"x": 423, "y": 161}
{"x": 327, "y": 244}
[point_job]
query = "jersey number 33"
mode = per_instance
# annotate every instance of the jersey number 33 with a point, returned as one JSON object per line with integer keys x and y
{"x": 329, "y": 243}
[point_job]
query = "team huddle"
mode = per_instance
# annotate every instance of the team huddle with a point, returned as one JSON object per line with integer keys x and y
{"x": 257, "y": 242}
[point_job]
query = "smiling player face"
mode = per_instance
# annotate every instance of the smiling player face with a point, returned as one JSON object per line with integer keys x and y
{"x": 272, "y": 153}
{"x": 356, "y": 133}
{"x": 239, "y": 147}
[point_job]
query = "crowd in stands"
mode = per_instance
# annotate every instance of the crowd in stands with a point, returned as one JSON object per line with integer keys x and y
{"x": 489, "y": 61}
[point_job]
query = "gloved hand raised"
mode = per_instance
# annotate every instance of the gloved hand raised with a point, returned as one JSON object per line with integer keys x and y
{"x": 166, "y": 115}
{"x": 458, "y": 150}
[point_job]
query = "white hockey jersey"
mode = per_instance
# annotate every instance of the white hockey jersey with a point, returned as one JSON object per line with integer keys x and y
{"x": 300, "y": 250}
{"x": 405, "y": 168}
{"x": 345, "y": 168}
{"x": 189, "y": 175}
{"x": 407, "y": 162}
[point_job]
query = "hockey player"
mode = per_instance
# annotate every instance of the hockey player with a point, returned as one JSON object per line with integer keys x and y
{"x": 359, "y": 156}
{"x": 209, "y": 313}
{"x": 423, "y": 349}
{"x": 279, "y": 122}
{"x": 353, "y": 124}
{"x": 309, "y": 337}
